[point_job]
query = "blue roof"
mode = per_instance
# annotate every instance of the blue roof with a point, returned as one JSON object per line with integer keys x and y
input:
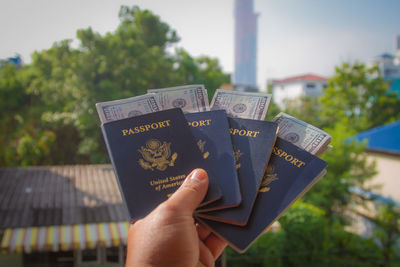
{"x": 384, "y": 138}
{"x": 385, "y": 55}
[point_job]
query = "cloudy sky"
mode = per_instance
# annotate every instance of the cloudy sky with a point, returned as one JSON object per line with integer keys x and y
{"x": 294, "y": 36}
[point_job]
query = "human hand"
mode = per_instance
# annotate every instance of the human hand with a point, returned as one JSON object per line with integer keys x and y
{"x": 168, "y": 236}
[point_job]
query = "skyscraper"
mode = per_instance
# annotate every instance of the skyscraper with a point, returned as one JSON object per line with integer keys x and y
{"x": 245, "y": 77}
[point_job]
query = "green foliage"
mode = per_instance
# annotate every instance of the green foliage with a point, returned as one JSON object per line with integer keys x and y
{"x": 273, "y": 110}
{"x": 387, "y": 233}
{"x": 308, "y": 238}
{"x": 48, "y": 107}
{"x": 361, "y": 95}
{"x": 313, "y": 232}
{"x": 307, "y": 109}
{"x": 347, "y": 167}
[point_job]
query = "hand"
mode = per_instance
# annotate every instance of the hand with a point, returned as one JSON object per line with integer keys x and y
{"x": 168, "y": 236}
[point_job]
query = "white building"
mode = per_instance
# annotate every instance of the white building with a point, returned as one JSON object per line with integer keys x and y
{"x": 290, "y": 89}
{"x": 389, "y": 64}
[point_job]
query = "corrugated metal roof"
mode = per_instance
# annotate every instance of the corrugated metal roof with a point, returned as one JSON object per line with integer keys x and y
{"x": 59, "y": 195}
{"x": 384, "y": 138}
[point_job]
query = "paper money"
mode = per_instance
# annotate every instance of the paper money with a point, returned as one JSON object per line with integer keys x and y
{"x": 323, "y": 150}
{"x": 128, "y": 107}
{"x": 190, "y": 98}
{"x": 302, "y": 134}
{"x": 242, "y": 104}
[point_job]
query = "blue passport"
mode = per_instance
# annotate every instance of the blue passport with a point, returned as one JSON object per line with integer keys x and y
{"x": 290, "y": 173}
{"x": 211, "y": 131}
{"x": 152, "y": 154}
{"x": 252, "y": 144}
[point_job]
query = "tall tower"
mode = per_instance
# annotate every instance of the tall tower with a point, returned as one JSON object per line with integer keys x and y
{"x": 245, "y": 77}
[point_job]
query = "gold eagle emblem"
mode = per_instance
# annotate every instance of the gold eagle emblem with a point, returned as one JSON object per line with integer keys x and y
{"x": 268, "y": 178}
{"x": 201, "y": 144}
{"x": 237, "y": 154}
{"x": 156, "y": 155}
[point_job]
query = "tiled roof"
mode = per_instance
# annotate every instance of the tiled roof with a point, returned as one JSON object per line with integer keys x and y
{"x": 306, "y": 77}
{"x": 59, "y": 195}
{"x": 384, "y": 138}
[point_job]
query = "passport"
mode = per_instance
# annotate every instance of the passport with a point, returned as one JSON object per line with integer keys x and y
{"x": 152, "y": 154}
{"x": 211, "y": 131}
{"x": 252, "y": 144}
{"x": 290, "y": 173}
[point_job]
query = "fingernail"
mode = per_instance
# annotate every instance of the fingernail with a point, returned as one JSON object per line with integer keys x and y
{"x": 198, "y": 175}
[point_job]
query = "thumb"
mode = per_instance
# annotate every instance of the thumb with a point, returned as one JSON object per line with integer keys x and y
{"x": 191, "y": 192}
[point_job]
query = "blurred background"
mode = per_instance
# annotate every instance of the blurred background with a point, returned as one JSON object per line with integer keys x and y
{"x": 333, "y": 64}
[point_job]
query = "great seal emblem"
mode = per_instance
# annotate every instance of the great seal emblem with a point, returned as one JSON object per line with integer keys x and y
{"x": 156, "y": 155}
{"x": 268, "y": 178}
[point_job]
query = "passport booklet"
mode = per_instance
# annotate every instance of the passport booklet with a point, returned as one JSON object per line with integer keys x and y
{"x": 152, "y": 154}
{"x": 211, "y": 131}
{"x": 252, "y": 144}
{"x": 291, "y": 172}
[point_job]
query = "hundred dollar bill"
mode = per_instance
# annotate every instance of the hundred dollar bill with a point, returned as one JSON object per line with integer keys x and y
{"x": 190, "y": 98}
{"x": 241, "y": 104}
{"x": 302, "y": 134}
{"x": 323, "y": 150}
{"x": 128, "y": 107}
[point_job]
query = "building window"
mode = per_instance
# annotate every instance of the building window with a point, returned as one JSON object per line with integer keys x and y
{"x": 310, "y": 85}
{"x": 113, "y": 254}
{"x": 88, "y": 256}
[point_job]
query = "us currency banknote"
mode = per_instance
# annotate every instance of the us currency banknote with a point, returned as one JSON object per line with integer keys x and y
{"x": 128, "y": 107}
{"x": 190, "y": 98}
{"x": 323, "y": 150}
{"x": 302, "y": 134}
{"x": 241, "y": 104}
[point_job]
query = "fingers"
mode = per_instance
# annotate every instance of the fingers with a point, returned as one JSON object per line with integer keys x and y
{"x": 202, "y": 231}
{"x": 205, "y": 255}
{"x": 215, "y": 245}
{"x": 191, "y": 192}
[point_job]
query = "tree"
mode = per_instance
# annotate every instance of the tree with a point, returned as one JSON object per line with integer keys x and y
{"x": 347, "y": 167}
{"x": 387, "y": 233}
{"x": 360, "y": 94}
{"x": 55, "y": 95}
{"x": 307, "y": 238}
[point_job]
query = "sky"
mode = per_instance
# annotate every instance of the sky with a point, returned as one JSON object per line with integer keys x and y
{"x": 294, "y": 36}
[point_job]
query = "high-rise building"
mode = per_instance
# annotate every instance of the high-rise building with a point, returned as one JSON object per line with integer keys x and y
{"x": 245, "y": 76}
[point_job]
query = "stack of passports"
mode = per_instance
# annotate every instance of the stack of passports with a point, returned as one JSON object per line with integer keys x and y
{"x": 253, "y": 175}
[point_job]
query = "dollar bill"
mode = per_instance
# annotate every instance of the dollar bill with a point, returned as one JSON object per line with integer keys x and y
{"x": 128, "y": 107}
{"x": 242, "y": 104}
{"x": 323, "y": 150}
{"x": 302, "y": 134}
{"x": 190, "y": 98}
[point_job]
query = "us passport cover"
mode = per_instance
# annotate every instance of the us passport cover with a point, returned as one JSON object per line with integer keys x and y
{"x": 152, "y": 154}
{"x": 211, "y": 131}
{"x": 252, "y": 144}
{"x": 290, "y": 173}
